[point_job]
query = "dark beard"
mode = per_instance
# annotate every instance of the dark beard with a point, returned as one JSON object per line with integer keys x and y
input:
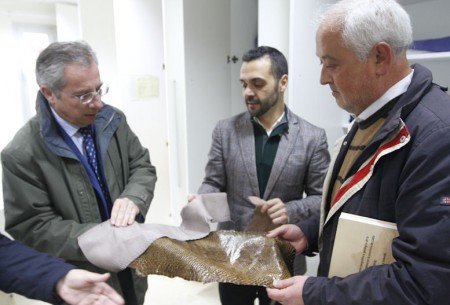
{"x": 266, "y": 105}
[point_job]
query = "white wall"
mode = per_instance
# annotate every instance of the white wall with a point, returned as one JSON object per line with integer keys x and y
{"x": 68, "y": 21}
{"x": 207, "y": 44}
{"x": 140, "y": 55}
{"x": 273, "y": 24}
{"x": 128, "y": 38}
{"x": 430, "y": 20}
{"x": 290, "y": 27}
{"x": 16, "y": 107}
{"x": 173, "y": 20}
{"x": 307, "y": 97}
{"x": 243, "y": 37}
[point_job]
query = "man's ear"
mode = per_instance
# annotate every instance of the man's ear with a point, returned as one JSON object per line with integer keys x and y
{"x": 48, "y": 94}
{"x": 383, "y": 56}
{"x": 283, "y": 82}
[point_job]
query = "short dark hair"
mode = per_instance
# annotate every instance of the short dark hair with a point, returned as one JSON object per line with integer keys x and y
{"x": 279, "y": 65}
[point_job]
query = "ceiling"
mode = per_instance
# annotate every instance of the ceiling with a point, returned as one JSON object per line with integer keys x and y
{"x": 18, "y": 4}
{"x": 11, "y": 2}
{"x": 48, "y": 5}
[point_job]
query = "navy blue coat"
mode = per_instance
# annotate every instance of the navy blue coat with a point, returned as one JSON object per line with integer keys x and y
{"x": 28, "y": 272}
{"x": 405, "y": 178}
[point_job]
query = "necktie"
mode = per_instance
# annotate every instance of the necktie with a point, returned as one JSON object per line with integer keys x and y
{"x": 125, "y": 278}
{"x": 91, "y": 155}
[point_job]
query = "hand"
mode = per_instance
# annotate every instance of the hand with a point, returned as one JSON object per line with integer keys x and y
{"x": 289, "y": 291}
{"x": 292, "y": 234}
{"x": 192, "y": 197}
{"x": 124, "y": 212}
{"x": 276, "y": 209}
{"x": 80, "y": 287}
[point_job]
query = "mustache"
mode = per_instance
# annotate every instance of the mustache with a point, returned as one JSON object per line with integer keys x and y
{"x": 252, "y": 99}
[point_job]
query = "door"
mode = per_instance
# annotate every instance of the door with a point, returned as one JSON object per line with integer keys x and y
{"x": 214, "y": 30}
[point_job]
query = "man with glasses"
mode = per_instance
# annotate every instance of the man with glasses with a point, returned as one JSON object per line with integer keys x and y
{"x": 75, "y": 164}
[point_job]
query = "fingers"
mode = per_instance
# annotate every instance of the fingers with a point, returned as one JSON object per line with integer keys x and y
{"x": 288, "y": 291}
{"x": 278, "y": 232}
{"x": 279, "y": 217}
{"x": 82, "y": 287}
{"x": 280, "y": 284}
{"x": 277, "y": 293}
{"x": 97, "y": 277}
{"x": 123, "y": 212}
{"x": 257, "y": 201}
{"x": 105, "y": 296}
{"x": 109, "y": 296}
{"x": 276, "y": 209}
{"x": 292, "y": 234}
{"x": 192, "y": 197}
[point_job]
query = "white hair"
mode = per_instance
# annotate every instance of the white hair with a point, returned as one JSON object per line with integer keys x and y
{"x": 364, "y": 23}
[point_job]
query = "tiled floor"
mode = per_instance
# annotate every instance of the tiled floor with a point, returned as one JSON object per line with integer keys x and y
{"x": 170, "y": 291}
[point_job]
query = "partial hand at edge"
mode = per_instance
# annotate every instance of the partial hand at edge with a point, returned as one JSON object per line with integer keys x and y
{"x": 192, "y": 197}
{"x": 80, "y": 287}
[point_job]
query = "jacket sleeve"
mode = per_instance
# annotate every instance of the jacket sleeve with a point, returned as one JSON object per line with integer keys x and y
{"x": 140, "y": 174}
{"x": 39, "y": 209}
{"x": 421, "y": 272}
{"x": 302, "y": 209}
{"x": 215, "y": 179}
{"x": 28, "y": 272}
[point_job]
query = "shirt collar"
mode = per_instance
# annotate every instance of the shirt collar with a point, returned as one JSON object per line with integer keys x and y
{"x": 269, "y": 131}
{"x": 396, "y": 90}
{"x": 69, "y": 128}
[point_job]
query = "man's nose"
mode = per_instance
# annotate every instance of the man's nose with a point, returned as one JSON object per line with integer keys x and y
{"x": 324, "y": 76}
{"x": 248, "y": 91}
{"x": 96, "y": 102}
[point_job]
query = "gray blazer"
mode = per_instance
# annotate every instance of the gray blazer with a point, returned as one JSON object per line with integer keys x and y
{"x": 297, "y": 174}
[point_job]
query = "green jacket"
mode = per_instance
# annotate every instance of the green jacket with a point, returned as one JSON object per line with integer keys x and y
{"x": 49, "y": 200}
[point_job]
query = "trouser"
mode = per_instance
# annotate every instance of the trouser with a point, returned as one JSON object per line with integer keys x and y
{"x": 232, "y": 294}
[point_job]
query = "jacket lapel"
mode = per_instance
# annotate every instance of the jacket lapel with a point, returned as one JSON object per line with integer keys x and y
{"x": 246, "y": 143}
{"x": 326, "y": 185}
{"x": 284, "y": 150}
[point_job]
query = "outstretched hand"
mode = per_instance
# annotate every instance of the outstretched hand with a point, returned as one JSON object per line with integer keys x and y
{"x": 80, "y": 287}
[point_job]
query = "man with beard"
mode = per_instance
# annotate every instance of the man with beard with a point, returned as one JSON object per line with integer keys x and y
{"x": 266, "y": 152}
